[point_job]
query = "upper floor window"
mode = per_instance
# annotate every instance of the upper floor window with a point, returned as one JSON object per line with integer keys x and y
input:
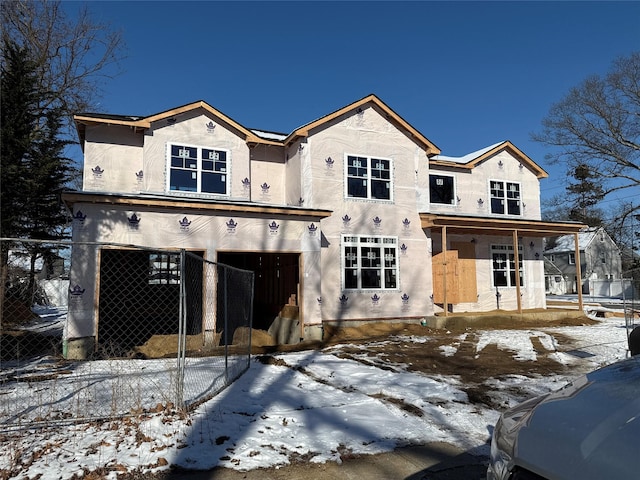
{"x": 197, "y": 169}
{"x": 572, "y": 259}
{"x": 441, "y": 189}
{"x": 503, "y": 265}
{"x": 370, "y": 262}
{"x": 368, "y": 177}
{"x": 505, "y": 197}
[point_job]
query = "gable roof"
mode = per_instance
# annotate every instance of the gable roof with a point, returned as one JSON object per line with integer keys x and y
{"x": 429, "y": 147}
{"x": 256, "y": 136}
{"x": 566, "y": 243}
{"x": 253, "y": 135}
{"x": 142, "y": 123}
{"x": 473, "y": 159}
{"x": 551, "y": 268}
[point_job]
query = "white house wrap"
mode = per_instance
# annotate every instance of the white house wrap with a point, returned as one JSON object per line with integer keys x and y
{"x": 358, "y": 206}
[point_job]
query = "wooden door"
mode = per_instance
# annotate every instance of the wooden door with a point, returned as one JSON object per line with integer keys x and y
{"x": 460, "y": 281}
{"x": 448, "y": 280}
{"x": 467, "y": 281}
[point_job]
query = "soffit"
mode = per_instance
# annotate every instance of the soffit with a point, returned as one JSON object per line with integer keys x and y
{"x": 497, "y": 226}
{"x": 217, "y": 207}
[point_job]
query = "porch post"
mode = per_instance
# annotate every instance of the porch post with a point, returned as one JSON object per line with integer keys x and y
{"x": 516, "y": 257}
{"x": 578, "y": 271}
{"x": 444, "y": 271}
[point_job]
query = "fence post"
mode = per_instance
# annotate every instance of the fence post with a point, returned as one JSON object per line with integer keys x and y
{"x": 181, "y": 335}
{"x": 251, "y": 295}
{"x": 226, "y": 326}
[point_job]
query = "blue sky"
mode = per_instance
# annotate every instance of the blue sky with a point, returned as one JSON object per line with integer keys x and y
{"x": 465, "y": 74}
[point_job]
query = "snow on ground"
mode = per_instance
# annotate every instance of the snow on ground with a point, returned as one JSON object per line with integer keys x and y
{"x": 311, "y": 405}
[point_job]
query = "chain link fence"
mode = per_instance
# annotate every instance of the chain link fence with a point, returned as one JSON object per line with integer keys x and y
{"x": 99, "y": 331}
{"x": 631, "y": 303}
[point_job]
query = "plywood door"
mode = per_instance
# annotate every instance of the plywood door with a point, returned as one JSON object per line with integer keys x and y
{"x": 450, "y": 278}
{"x": 466, "y": 270}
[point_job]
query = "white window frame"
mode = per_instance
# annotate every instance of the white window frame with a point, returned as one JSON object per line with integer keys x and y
{"x": 368, "y": 177}
{"x": 354, "y": 267}
{"x": 505, "y": 198}
{"x": 454, "y": 193}
{"x": 572, "y": 259}
{"x": 198, "y": 168}
{"x": 509, "y": 265}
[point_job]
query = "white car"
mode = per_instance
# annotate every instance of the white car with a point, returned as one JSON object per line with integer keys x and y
{"x": 588, "y": 430}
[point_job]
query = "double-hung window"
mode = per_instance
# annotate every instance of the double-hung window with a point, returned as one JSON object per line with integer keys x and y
{"x": 368, "y": 177}
{"x": 370, "y": 262}
{"x": 441, "y": 189}
{"x": 505, "y": 197}
{"x": 197, "y": 169}
{"x": 503, "y": 266}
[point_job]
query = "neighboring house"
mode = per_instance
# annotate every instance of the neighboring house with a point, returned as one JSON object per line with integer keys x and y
{"x": 353, "y": 213}
{"x": 600, "y": 260}
{"x": 554, "y": 281}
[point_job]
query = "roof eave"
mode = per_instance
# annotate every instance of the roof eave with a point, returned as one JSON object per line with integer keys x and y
{"x": 82, "y": 121}
{"x": 183, "y": 203}
{"x": 303, "y": 132}
{"x": 497, "y": 226}
{"x": 506, "y": 145}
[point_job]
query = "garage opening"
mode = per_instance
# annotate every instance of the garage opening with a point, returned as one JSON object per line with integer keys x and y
{"x": 139, "y": 297}
{"x": 276, "y": 283}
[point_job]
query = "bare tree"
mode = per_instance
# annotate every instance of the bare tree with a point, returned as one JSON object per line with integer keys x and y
{"x": 52, "y": 67}
{"x": 596, "y": 127}
{"x": 74, "y": 57}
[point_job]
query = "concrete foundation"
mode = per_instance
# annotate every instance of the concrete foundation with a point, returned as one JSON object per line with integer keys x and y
{"x": 285, "y": 331}
{"x": 78, "y": 348}
{"x": 499, "y": 318}
{"x": 313, "y": 333}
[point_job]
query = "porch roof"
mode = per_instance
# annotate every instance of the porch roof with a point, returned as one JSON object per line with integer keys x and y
{"x": 183, "y": 203}
{"x": 470, "y": 225}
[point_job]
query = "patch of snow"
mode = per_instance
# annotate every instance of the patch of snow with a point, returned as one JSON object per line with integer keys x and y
{"x": 314, "y": 404}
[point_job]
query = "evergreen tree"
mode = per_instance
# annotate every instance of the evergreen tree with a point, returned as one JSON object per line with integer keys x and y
{"x": 584, "y": 194}
{"x": 19, "y": 120}
{"x": 49, "y": 171}
{"x": 34, "y": 168}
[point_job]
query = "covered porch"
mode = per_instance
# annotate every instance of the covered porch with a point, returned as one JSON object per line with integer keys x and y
{"x": 454, "y": 265}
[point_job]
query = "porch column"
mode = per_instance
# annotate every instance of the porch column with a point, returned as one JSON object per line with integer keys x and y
{"x": 516, "y": 257}
{"x": 444, "y": 271}
{"x": 578, "y": 271}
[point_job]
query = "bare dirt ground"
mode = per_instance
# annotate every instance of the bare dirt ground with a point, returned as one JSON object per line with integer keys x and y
{"x": 368, "y": 343}
{"x": 471, "y": 367}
